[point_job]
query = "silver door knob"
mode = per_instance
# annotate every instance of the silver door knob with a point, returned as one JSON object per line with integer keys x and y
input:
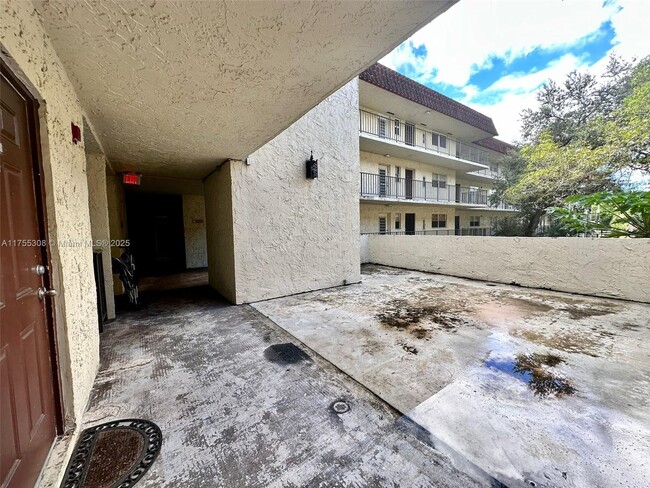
{"x": 40, "y": 270}
{"x": 42, "y": 293}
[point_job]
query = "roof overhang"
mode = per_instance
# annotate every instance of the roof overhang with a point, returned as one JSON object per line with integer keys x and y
{"x": 174, "y": 88}
{"x": 383, "y": 101}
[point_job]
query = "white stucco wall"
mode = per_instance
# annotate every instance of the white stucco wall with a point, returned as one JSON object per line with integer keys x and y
{"x": 116, "y": 198}
{"x": 293, "y": 234}
{"x": 32, "y": 55}
{"x": 99, "y": 221}
{"x": 196, "y": 252}
{"x": 618, "y": 268}
{"x": 219, "y": 231}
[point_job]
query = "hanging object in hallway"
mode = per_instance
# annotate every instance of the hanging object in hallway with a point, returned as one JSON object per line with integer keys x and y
{"x": 131, "y": 178}
{"x": 312, "y": 167}
{"x": 114, "y": 454}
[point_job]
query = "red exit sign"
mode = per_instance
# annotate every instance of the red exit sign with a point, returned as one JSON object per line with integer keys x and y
{"x": 131, "y": 178}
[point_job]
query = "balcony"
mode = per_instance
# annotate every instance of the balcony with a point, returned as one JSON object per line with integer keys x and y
{"x": 465, "y": 231}
{"x": 407, "y": 134}
{"x": 393, "y": 188}
{"x": 384, "y": 187}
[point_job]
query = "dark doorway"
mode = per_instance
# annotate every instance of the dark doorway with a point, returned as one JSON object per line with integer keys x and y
{"x": 408, "y": 177}
{"x": 28, "y": 405}
{"x": 457, "y": 225}
{"x": 409, "y": 224}
{"x": 458, "y": 193}
{"x": 409, "y": 134}
{"x": 156, "y": 232}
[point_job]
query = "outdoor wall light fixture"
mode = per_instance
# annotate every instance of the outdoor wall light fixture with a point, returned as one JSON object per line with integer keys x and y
{"x": 312, "y": 167}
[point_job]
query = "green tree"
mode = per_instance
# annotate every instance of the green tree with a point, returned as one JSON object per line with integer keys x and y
{"x": 619, "y": 214}
{"x": 585, "y": 134}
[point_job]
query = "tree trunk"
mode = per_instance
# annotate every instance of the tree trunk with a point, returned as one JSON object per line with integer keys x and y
{"x": 533, "y": 222}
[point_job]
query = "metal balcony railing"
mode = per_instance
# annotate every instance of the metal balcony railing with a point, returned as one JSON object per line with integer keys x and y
{"x": 409, "y": 134}
{"x": 390, "y": 187}
{"x": 492, "y": 173}
{"x": 393, "y": 188}
{"x": 466, "y": 231}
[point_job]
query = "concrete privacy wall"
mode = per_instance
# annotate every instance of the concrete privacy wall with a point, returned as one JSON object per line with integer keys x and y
{"x": 196, "y": 253}
{"x": 99, "y": 221}
{"x": 33, "y": 59}
{"x": 219, "y": 231}
{"x": 616, "y": 268}
{"x": 292, "y": 234}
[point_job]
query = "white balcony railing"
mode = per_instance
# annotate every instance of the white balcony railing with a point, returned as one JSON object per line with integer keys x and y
{"x": 465, "y": 231}
{"x": 409, "y": 134}
{"x": 393, "y": 188}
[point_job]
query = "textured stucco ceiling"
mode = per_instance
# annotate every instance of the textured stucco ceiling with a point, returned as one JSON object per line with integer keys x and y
{"x": 175, "y": 88}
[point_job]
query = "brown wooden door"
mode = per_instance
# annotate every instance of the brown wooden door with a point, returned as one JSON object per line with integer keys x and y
{"x": 27, "y": 407}
{"x": 408, "y": 185}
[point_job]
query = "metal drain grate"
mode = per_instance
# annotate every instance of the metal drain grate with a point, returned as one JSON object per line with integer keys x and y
{"x": 340, "y": 407}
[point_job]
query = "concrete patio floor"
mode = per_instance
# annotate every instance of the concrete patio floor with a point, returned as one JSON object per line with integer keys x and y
{"x": 235, "y": 411}
{"x": 536, "y": 388}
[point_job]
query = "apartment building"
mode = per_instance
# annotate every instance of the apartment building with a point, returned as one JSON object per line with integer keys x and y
{"x": 428, "y": 163}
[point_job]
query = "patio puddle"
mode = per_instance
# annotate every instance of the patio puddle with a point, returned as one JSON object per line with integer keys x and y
{"x": 533, "y": 369}
{"x": 580, "y": 342}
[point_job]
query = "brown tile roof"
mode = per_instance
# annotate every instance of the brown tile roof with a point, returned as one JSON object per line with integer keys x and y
{"x": 399, "y": 84}
{"x": 495, "y": 144}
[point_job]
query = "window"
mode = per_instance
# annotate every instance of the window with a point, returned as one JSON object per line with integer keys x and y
{"x": 382, "y": 127}
{"x": 475, "y": 221}
{"x": 398, "y": 221}
{"x": 434, "y": 139}
{"x": 443, "y": 141}
{"x": 382, "y": 224}
{"x": 424, "y": 139}
{"x": 397, "y": 127}
{"x": 439, "y": 181}
{"x": 398, "y": 172}
{"x": 494, "y": 168}
{"x": 438, "y": 220}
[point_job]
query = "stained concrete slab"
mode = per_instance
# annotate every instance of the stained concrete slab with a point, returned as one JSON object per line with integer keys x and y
{"x": 451, "y": 355}
{"x": 241, "y": 403}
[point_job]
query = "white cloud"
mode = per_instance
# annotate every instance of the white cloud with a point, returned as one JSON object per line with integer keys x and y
{"x": 518, "y": 92}
{"x": 464, "y": 39}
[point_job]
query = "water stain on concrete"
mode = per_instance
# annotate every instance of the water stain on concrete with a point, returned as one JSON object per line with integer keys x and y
{"x": 285, "y": 354}
{"x": 400, "y": 314}
{"x": 409, "y": 349}
{"x": 533, "y": 369}
{"x": 567, "y": 341}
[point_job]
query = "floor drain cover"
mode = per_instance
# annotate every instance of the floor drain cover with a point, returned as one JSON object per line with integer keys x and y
{"x": 340, "y": 406}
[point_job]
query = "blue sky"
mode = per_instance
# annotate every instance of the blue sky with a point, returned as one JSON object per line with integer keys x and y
{"x": 494, "y": 55}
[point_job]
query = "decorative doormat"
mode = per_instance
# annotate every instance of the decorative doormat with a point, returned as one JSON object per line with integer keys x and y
{"x": 113, "y": 455}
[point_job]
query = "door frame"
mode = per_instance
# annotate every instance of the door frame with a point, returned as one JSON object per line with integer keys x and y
{"x": 406, "y": 219}
{"x": 408, "y": 183}
{"x": 33, "y": 121}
